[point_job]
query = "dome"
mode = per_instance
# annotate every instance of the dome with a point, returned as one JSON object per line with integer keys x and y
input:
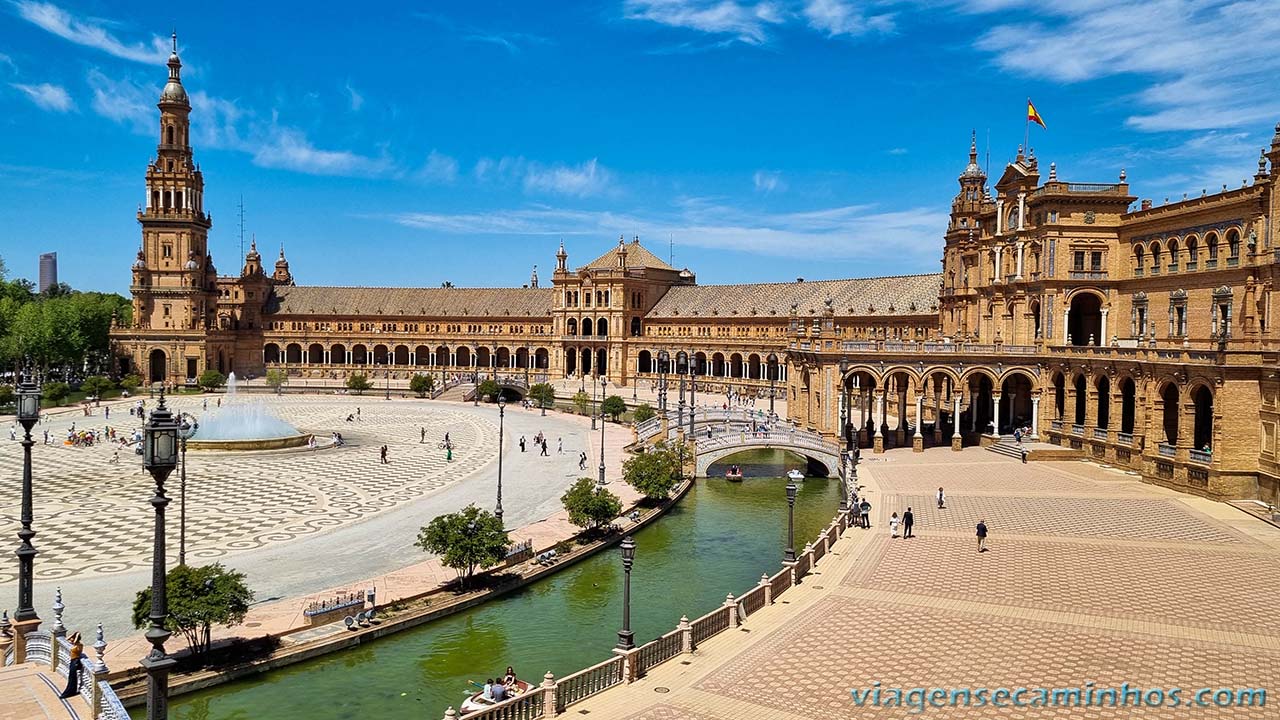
{"x": 191, "y": 261}
{"x": 140, "y": 263}
{"x": 173, "y": 92}
{"x": 973, "y": 171}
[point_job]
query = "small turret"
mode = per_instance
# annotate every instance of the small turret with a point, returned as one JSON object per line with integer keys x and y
{"x": 282, "y": 274}
{"x": 533, "y": 277}
{"x": 562, "y": 257}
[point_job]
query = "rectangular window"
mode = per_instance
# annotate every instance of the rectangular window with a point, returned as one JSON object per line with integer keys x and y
{"x": 1096, "y": 261}
{"x": 1077, "y": 260}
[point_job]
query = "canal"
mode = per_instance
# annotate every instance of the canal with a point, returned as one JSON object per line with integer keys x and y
{"x": 719, "y": 539}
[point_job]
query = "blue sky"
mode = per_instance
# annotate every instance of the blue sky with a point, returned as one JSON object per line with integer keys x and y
{"x": 462, "y": 141}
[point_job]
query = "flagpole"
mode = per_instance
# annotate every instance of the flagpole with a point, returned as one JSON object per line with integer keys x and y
{"x": 1026, "y": 130}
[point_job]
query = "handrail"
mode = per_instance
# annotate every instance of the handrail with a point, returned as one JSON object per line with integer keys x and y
{"x": 710, "y": 624}
{"x": 585, "y": 683}
{"x": 659, "y": 650}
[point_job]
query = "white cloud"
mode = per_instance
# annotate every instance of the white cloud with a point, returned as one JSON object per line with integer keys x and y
{"x": 1195, "y": 77}
{"x": 439, "y": 168}
{"x": 897, "y": 151}
{"x": 46, "y": 96}
{"x": 124, "y": 101}
{"x": 289, "y": 149}
{"x": 6, "y": 60}
{"x": 842, "y": 17}
{"x": 357, "y": 100}
{"x": 90, "y": 32}
{"x": 767, "y": 181}
{"x": 747, "y": 22}
{"x": 589, "y": 178}
{"x": 838, "y": 233}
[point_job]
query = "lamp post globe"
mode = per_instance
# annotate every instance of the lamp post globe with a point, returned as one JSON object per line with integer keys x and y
{"x": 28, "y": 394}
{"x": 626, "y": 638}
{"x": 790, "y": 555}
{"x": 159, "y": 457}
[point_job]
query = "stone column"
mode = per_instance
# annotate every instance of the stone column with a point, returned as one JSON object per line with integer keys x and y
{"x": 937, "y": 415}
{"x": 1102, "y": 338}
{"x": 917, "y": 441}
{"x": 1022, "y": 210}
{"x": 973, "y": 409}
{"x": 878, "y": 438}
{"x": 995, "y": 413}
{"x": 957, "y": 442}
{"x": 999, "y": 216}
{"x": 549, "y": 695}
{"x": 1021, "y": 245}
{"x": 328, "y": 354}
{"x": 999, "y": 270}
{"x": 900, "y": 434}
{"x": 1035, "y": 417}
{"x": 1066, "y": 317}
{"x": 686, "y": 635}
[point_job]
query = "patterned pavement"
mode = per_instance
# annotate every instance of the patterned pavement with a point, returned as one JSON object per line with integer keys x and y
{"x": 94, "y": 518}
{"x": 1092, "y": 580}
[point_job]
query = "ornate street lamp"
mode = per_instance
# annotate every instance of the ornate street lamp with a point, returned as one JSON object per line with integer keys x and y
{"x": 600, "y": 480}
{"x": 680, "y": 375}
{"x": 28, "y": 414}
{"x": 187, "y": 427}
{"x": 790, "y": 555}
{"x": 159, "y": 457}
{"x": 663, "y": 358}
{"x": 845, "y": 435}
{"x": 693, "y": 390}
{"x": 626, "y": 638}
{"x": 502, "y": 412}
{"x": 594, "y": 381}
{"x": 773, "y": 375}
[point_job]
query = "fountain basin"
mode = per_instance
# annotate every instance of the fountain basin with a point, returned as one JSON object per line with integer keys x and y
{"x": 277, "y": 443}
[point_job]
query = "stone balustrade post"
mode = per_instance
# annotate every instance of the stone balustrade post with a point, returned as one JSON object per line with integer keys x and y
{"x": 548, "y": 695}
{"x": 58, "y": 632}
{"x": 768, "y": 588}
{"x": 732, "y": 604}
{"x": 630, "y": 668}
{"x": 450, "y": 714}
{"x": 97, "y": 669}
{"x": 6, "y": 635}
{"x": 686, "y": 635}
{"x": 790, "y": 565}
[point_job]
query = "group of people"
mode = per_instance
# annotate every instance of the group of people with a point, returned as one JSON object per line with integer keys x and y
{"x": 506, "y": 687}
{"x": 542, "y": 442}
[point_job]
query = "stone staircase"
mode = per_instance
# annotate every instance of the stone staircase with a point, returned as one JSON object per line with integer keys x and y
{"x": 1008, "y": 447}
{"x": 458, "y": 393}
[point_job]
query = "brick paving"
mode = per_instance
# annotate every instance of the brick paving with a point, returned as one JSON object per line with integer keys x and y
{"x": 1092, "y": 577}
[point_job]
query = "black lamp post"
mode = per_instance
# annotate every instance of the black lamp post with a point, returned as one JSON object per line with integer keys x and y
{"x": 594, "y": 381}
{"x": 693, "y": 390}
{"x": 600, "y": 479}
{"x": 773, "y": 375}
{"x": 680, "y": 402}
{"x": 159, "y": 457}
{"x": 626, "y": 638}
{"x": 790, "y": 555}
{"x": 502, "y": 412}
{"x": 663, "y": 358}
{"x": 187, "y": 427}
{"x": 388, "y": 395}
{"x": 28, "y": 414}
{"x": 844, "y": 406}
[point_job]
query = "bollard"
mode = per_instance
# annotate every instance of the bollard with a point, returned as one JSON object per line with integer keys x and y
{"x": 686, "y": 635}
{"x": 768, "y": 588}
{"x": 732, "y": 604}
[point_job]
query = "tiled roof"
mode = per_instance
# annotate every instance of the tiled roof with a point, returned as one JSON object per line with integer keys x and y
{"x": 411, "y": 302}
{"x": 902, "y": 295}
{"x": 637, "y": 256}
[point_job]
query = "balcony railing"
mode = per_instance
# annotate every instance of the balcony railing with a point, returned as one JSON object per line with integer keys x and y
{"x": 1167, "y": 450}
{"x": 1011, "y": 277}
{"x": 1124, "y": 438}
{"x": 1099, "y": 433}
{"x": 1201, "y": 456}
{"x": 1088, "y": 274}
{"x": 1211, "y": 264}
{"x": 1192, "y": 266}
{"x": 1077, "y": 430}
{"x": 1056, "y": 425}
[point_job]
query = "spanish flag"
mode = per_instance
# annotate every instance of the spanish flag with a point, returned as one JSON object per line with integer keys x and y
{"x": 1033, "y": 116}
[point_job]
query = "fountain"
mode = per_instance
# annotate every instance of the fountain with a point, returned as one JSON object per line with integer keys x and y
{"x": 244, "y": 425}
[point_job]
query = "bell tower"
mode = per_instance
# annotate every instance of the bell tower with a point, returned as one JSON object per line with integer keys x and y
{"x": 174, "y": 286}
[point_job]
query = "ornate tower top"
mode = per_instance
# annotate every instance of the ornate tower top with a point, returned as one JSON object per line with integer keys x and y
{"x": 561, "y": 257}
{"x": 173, "y": 92}
{"x": 622, "y": 252}
{"x": 533, "y": 278}
{"x": 282, "y": 274}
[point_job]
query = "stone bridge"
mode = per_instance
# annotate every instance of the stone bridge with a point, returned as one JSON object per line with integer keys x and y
{"x": 717, "y": 418}
{"x": 822, "y": 455}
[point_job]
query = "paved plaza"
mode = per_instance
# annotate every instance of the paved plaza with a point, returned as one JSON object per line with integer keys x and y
{"x": 1091, "y": 577}
{"x": 296, "y": 521}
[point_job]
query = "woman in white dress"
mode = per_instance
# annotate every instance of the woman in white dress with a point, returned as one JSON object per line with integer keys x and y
{"x": 894, "y": 521}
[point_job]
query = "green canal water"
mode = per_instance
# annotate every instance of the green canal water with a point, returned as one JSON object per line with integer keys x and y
{"x": 719, "y": 539}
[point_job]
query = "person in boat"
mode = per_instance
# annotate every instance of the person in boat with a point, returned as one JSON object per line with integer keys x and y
{"x": 499, "y": 692}
{"x": 510, "y": 679}
{"x": 488, "y": 689}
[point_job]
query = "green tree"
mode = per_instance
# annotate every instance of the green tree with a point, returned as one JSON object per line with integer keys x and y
{"x": 130, "y": 383}
{"x": 276, "y": 378}
{"x": 543, "y": 393}
{"x": 590, "y": 505}
{"x": 613, "y": 406}
{"x": 199, "y": 598}
{"x": 488, "y": 389}
{"x": 580, "y": 401}
{"x": 96, "y": 385}
{"x": 422, "y": 384}
{"x": 469, "y": 539}
{"x": 358, "y": 383}
{"x": 56, "y": 392}
{"x": 211, "y": 380}
{"x": 643, "y": 412}
{"x": 7, "y": 395}
{"x": 655, "y": 472}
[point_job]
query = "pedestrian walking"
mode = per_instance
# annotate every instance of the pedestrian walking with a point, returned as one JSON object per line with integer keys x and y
{"x": 357, "y": 412}
{"x": 908, "y": 519}
{"x": 864, "y": 514}
{"x": 942, "y": 500}
{"x": 383, "y": 454}
{"x": 521, "y": 443}
{"x": 544, "y": 448}
{"x": 1024, "y": 456}
{"x": 982, "y": 536}
{"x": 448, "y": 453}
{"x": 1017, "y": 435}
{"x": 893, "y": 525}
{"x": 559, "y": 446}
{"x": 106, "y": 412}
{"x": 422, "y": 436}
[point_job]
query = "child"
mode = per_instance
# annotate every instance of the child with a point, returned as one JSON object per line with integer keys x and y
{"x": 893, "y": 525}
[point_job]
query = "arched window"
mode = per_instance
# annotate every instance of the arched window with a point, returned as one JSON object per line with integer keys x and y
{"x": 169, "y": 135}
{"x": 1233, "y": 247}
{"x": 571, "y": 327}
{"x": 1139, "y": 260}
{"x": 1155, "y": 258}
{"x": 602, "y": 327}
{"x": 1193, "y": 252}
{"x": 587, "y": 324}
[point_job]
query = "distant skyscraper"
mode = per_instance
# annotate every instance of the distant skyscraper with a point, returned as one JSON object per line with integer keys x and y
{"x": 48, "y": 270}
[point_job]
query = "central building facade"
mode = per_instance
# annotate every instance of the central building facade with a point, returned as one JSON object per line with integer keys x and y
{"x": 1121, "y": 329}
